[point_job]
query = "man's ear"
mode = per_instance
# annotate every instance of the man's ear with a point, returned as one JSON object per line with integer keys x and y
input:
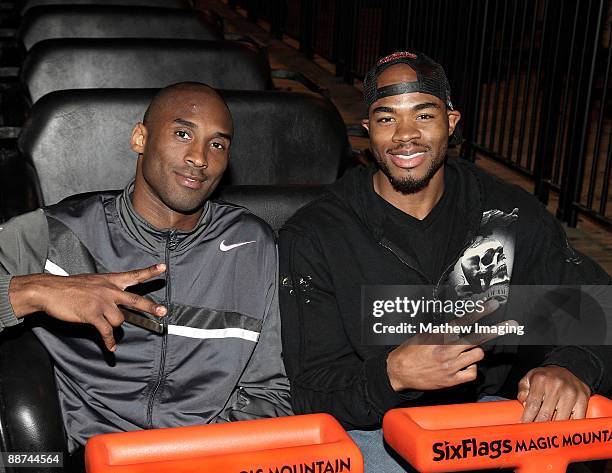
{"x": 453, "y": 118}
{"x": 139, "y": 138}
{"x": 366, "y": 124}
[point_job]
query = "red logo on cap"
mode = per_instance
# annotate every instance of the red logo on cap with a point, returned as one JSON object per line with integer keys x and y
{"x": 398, "y": 55}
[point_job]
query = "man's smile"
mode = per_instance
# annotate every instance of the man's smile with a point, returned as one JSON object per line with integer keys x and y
{"x": 407, "y": 159}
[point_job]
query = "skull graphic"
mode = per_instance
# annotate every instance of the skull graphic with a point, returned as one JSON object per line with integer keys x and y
{"x": 484, "y": 266}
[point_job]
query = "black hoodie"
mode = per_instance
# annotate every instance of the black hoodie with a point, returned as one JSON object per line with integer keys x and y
{"x": 337, "y": 244}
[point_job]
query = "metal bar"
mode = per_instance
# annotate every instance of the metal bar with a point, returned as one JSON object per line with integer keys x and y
{"x": 321, "y": 28}
{"x": 452, "y": 56}
{"x": 547, "y": 129}
{"x": 420, "y": 27}
{"x": 606, "y": 182}
{"x": 360, "y": 31}
{"x": 465, "y": 80}
{"x": 437, "y": 39}
{"x": 506, "y": 98}
{"x": 379, "y": 23}
{"x": 568, "y": 171}
{"x": 368, "y": 37}
{"x": 357, "y": 32}
{"x": 407, "y": 38}
{"x": 365, "y": 40}
{"x": 572, "y": 219}
{"x": 566, "y": 144}
{"x": 498, "y": 79}
{"x": 489, "y": 78}
{"x": 331, "y": 30}
{"x": 315, "y": 27}
{"x": 371, "y": 41}
{"x": 424, "y": 27}
{"x": 404, "y": 26}
{"x": 442, "y": 50}
{"x": 517, "y": 86}
{"x": 429, "y": 18}
{"x": 478, "y": 83}
{"x": 598, "y": 134}
{"x": 351, "y": 41}
{"x": 534, "y": 109}
{"x": 570, "y": 181}
{"x": 435, "y": 27}
{"x": 528, "y": 84}
{"x": 349, "y": 45}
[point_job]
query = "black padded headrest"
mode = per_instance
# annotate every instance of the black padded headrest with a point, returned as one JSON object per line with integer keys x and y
{"x": 274, "y": 204}
{"x": 27, "y": 4}
{"x": 113, "y": 21}
{"x": 60, "y": 64}
{"x": 79, "y": 140}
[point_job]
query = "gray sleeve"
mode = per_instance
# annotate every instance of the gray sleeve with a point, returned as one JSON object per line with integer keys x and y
{"x": 23, "y": 250}
{"x": 263, "y": 389}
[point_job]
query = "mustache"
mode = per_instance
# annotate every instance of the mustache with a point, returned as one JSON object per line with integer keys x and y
{"x": 412, "y": 146}
{"x": 192, "y": 174}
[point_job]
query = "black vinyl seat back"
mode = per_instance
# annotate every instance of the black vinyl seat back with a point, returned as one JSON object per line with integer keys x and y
{"x": 113, "y": 21}
{"x": 79, "y": 140}
{"x": 274, "y": 204}
{"x": 60, "y": 64}
{"x": 285, "y": 138}
{"x": 30, "y": 418}
{"x": 25, "y": 5}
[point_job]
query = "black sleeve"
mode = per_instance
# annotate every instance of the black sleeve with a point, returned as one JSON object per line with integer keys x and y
{"x": 554, "y": 261}
{"x": 326, "y": 372}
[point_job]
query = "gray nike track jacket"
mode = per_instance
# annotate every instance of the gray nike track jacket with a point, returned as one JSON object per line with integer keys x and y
{"x": 215, "y": 357}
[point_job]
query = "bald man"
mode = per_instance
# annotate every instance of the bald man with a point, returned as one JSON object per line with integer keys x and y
{"x": 418, "y": 218}
{"x": 136, "y": 297}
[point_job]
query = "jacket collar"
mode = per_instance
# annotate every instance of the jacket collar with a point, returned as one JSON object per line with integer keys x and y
{"x": 156, "y": 239}
{"x": 356, "y": 190}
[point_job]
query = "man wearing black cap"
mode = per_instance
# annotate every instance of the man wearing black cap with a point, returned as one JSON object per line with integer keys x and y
{"x": 418, "y": 217}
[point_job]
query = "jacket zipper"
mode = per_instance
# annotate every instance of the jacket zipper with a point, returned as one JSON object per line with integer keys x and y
{"x": 385, "y": 244}
{"x": 445, "y": 272}
{"x": 436, "y": 288}
{"x": 170, "y": 244}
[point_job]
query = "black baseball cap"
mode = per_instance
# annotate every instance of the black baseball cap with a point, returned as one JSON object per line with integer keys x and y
{"x": 431, "y": 78}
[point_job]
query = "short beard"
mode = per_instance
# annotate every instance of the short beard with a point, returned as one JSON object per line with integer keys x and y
{"x": 409, "y": 185}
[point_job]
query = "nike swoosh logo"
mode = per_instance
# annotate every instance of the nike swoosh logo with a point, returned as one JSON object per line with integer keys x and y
{"x": 224, "y": 247}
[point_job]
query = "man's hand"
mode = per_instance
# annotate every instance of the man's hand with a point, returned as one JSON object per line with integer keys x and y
{"x": 552, "y": 393}
{"x": 427, "y": 367}
{"x": 426, "y": 362}
{"x": 85, "y": 298}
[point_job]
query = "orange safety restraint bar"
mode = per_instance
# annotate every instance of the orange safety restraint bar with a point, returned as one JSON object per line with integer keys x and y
{"x": 489, "y": 435}
{"x": 308, "y": 443}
